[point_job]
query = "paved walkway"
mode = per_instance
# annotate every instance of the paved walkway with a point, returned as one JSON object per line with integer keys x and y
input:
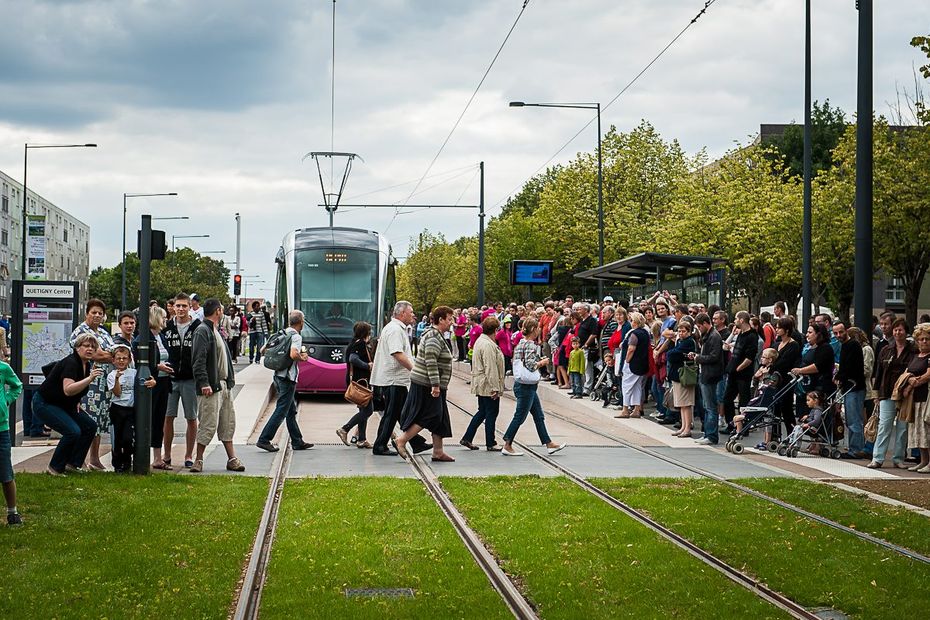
{"x": 588, "y": 453}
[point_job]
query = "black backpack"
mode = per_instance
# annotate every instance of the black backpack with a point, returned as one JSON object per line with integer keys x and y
{"x": 278, "y": 351}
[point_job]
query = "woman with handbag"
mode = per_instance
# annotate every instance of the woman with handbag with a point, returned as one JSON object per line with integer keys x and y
{"x": 635, "y": 353}
{"x": 426, "y": 406}
{"x": 358, "y": 372}
{"x": 683, "y": 383}
{"x": 526, "y": 379}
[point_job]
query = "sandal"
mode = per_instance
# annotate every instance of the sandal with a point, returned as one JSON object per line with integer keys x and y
{"x": 364, "y": 445}
{"x": 443, "y": 458}
{"x": 162, "y": 466}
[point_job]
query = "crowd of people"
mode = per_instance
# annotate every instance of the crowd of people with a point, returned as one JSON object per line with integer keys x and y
{"x": 698, "y": 366}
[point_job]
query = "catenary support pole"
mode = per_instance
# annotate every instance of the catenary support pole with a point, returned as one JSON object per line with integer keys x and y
{"x": 140, "y": 461}
{"x": 481, "y": 240}
{"x": 804, "y": 312}
{"x": 863, "y": 274}
{"x": 238, "y": 247}
{"x": 600, "y": 208}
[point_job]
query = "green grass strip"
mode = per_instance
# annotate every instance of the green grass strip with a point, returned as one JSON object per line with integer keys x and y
{"x": 341, "y": 533}
{"x": 579, "y": 558}
{"x": 892, "y": 523}
{"x": 810, "y": 563}
{"x": 102, "y": 545}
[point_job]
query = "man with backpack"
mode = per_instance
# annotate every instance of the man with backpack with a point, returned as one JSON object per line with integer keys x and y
{"x": 283, "y": 354}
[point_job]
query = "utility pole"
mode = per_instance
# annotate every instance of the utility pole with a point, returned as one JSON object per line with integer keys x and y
{"x": 481, "y": 240}
{"x": 863, "y": 273}
{"x": 238, "y": 247}
{"x": 140, "y": 461}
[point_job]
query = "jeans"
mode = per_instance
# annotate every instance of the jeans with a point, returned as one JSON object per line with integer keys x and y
{"x": 77, "y": 432}
{"x": 285, "y": 410}
{"x": 527, "y": 403}
{"x": 658, "y": 394}
{"x": 6, "y": 457}
{"x": 709, "y": 395}
{"x": 360, "y": 419}
{"x": 577, "y": 380}
{"x": 488, "y": 408}
{"x": 854, "y": 406}
{"x": 31, "y": 424}
{"x": 256, "y": 342}
{"x": 889, "y": 426}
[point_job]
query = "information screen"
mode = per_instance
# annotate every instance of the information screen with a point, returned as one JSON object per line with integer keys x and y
{"x": 531, "y": 272}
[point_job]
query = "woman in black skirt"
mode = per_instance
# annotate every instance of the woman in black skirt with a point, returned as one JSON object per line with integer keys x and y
{"x": 425, "y": 406}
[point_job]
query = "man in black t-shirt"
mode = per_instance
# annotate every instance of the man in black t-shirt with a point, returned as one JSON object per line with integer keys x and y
{"x": 851, "y": 376}
{"x": 587, "y": 335}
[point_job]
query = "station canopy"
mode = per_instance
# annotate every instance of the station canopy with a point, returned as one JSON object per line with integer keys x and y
{"x": 650, "y": 266}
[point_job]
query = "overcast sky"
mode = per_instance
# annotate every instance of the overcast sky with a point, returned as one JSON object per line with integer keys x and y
{"x": 219, "y": 100}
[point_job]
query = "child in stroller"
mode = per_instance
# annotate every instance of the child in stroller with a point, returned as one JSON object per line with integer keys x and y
{"x": 766, "y": 389}
{"x": 606, "y": 387}
{"x": 809, "y": 424}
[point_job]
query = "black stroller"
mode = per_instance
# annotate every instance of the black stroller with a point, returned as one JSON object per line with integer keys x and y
{"x": 827, "y": 435}
{"x": 607, "y": 386}
{"x": 760, "y": 411}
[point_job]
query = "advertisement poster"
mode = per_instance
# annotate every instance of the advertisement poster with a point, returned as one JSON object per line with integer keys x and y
{"x": 35, "y": 247}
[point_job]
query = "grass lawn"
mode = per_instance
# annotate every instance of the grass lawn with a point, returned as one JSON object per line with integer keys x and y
{"x": 812, "y": 564}
{"x": 896, "y": 525}
{"x": 579, "y": 558}
{"x": 341, "y": 533}
{"x": 102, "y": 545}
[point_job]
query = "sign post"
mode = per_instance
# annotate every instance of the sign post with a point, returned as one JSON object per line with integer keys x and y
{"x": 44, "y": 313}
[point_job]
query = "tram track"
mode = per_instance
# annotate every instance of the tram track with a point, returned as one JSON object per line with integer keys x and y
{"x": 753, "y": 585}
{"x": 865, "y": 536}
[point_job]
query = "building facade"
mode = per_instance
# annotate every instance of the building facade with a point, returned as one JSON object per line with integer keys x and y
{"x": 67, "y": 241}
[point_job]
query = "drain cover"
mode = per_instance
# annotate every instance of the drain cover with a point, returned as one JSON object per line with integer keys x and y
{"x": 379, "y": 592}
{"x": 829, "y": 614}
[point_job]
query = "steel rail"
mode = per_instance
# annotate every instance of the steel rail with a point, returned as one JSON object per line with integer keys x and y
{"x": 756, "y": 587}
{"x": 518, "y": 605}
{"x": 250, "y": 593}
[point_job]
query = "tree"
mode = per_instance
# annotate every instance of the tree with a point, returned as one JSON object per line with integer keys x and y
{"x": 923, "y": 44}
{"x": 182, "y": 270}
{"x": 426, "y": 272}
{"x": 827, "y": 126}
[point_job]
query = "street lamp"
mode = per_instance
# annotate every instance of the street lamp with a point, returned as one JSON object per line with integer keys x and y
{"x": 214, "y": 252}
{"x": 125, "y": 197}
{"x": 25, "y": 191}
{"x": 600, "y": 177}
{"x": 173, "y": 237}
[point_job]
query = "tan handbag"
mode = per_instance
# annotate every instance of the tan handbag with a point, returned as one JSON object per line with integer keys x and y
{"x": 871, "y": 428}
{"x": 359, "y": 392}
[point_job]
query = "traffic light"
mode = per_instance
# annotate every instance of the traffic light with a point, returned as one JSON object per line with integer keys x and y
{"x": 237, "y": 284}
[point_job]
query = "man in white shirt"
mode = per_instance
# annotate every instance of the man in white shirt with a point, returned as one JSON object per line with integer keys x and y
{"x": 285, "y": 383}
{"x": 196, "y": 309}
{"x": 391, "y": 374}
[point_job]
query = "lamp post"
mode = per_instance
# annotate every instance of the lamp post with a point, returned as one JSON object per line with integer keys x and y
{"x": 173, "y": 237}
{"x": 26, "y": 192}
{"x": 125, "y": 197}
{"x": 600, "y": 176}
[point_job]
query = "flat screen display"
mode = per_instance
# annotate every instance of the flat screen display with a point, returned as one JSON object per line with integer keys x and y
{"x": 531, "y": 272}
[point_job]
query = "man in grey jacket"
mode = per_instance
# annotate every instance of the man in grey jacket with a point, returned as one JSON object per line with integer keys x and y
{"x": 710, "y": 360}
{"x": 214, "y": 378}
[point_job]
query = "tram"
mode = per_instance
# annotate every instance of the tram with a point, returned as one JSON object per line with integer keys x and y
{"x": 336, "y": 276}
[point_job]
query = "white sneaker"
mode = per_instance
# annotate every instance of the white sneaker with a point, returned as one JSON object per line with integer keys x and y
{"x": 703, "y": 441}
{"x": 557, "y": 448}
{"x": 507, "y": 452}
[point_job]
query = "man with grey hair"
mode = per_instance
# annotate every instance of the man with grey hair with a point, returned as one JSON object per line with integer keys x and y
{"x": 285, "y": 383}
{"x": 390, "y": 374}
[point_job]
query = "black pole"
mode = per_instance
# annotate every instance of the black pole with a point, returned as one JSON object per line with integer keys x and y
{"x": 25, "y": 215}
{"x": 481, "y": 240}
{"x": 123, "y": 298}
{"x": 600, "y": 208}
{"x": 141, "y": 459}
{"x": 863, "y": 275}
{"x": 804, "y": 312}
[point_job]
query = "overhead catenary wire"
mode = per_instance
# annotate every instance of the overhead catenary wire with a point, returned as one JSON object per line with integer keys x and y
{"x": 432, "y": 176}
{"x": 465, "y": 109}
{"x": 332, "y": 105}
{"x": 707, "y": 5}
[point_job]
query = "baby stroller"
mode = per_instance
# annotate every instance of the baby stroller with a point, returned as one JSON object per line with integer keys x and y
{"x": 606, "y": 385}
{"x": 760, "y": 411}
{"x": 828, "y": 434}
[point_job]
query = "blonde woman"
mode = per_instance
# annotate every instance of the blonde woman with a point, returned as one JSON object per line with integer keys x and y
{"x": 918, "y": 430}
{"x": 634, "y": 357}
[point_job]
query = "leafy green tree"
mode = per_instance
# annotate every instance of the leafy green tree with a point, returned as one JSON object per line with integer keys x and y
{"x": 422, "y": 278}
{"x": 181, "y": 270}
{"x": 827, "y": 126}
{"x": 923, "y": 44}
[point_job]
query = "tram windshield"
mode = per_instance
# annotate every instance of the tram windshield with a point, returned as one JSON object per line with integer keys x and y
{"x": 336, "y": 288}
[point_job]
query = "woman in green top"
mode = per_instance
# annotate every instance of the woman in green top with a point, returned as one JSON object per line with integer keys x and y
{"x": 425, "y": 406}
{"x": 12, "y": 388}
